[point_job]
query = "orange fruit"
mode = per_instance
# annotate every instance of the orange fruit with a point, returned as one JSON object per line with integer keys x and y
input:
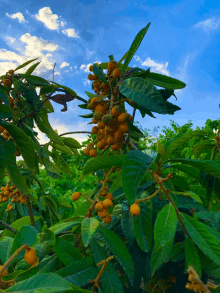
{"x": 90, "y": 67}
{"x": 101, "y": 125}
{"x": 107, "y": 219}
{"x": 135, "y": 209}
{"x": 93, "y": 153}
{"x": 117, "y": 110}
{"x": 76, "y": 196}
{"x": 101, "y": 108}
{"x": 107, "y": 203}
{"x": 30, "y": 256}
{"x": 100, "y": 145}
{"x": 11, "y": 71}
{"x": 86, "y": 152}
{"x": 112, "y": 65}
{"x": 99, "y": 207}
{"x": 111, "y": 140}
{"x": 109, "y": 196}
{"x": 7, "y": 82}
{"x": 123, "y": 117}
{"x": 123, "y": 127}
{"x": 104, "y": 213}
{"x": 117, "y": 73}
{"x": 95, "y": 130}
{"x": 91, "y": 77}
{"x": 115, "y": 146}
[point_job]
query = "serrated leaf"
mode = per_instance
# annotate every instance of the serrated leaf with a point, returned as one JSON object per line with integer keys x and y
{"x": 192, "y": 256}
{"x": 88, "y": 229}
{"x": 202, "y": 238}
{"x": 134, "y": 46}
{"x": 143, "y": 227}
{"x": 146, "y": 95}
{"x": 119, "y": 249}
{"x": 135, "y": 165}
{"x": 103, "y": 162}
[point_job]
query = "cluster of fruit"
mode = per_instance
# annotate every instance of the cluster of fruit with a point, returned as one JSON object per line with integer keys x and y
{"x": 112, "y": 123}
{"x": 13, "y": 193}
{"x": 102, "y": 206}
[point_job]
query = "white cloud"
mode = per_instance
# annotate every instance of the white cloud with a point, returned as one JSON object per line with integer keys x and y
{"x": 10, "y": 39}
{"x": 88, "y": 65}
{"x": 154, "y": 66}
{"x": 209, "y": 24}
{"x": 70, "y": 32}
{"x": 64, "y": 64}
{"x": 50, "y": 20}
{"x": 17, "y": 15}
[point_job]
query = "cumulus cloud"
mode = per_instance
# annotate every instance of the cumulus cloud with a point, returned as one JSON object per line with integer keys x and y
{"x": 154, "y": 66}
{"x": 18, "y": 16}
{"x": 64, "y": 64}
{"x": 208, "y": 24}
{"x": 70, "y": 32}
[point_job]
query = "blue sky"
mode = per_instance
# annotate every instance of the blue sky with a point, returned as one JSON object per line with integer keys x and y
{"x": 182, "y": 42}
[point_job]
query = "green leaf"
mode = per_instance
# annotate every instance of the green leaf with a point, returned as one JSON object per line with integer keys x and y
{"x": 47, "y": 104}
{"x": 162, "y": 80}
{"x": 3, "y": 96}
{"x": 26, "y": 63}
{"x": 180, "y": 140}
{"x": 146, "y": 95}
{"x": 11, "y": 167}
{"x": 103, "y": 162}
{"x": 47, "y": 282}
{"x": 110, "y": 282}
{"x": 209, "y": 166}
{"x": 192, "y": 256}
{"x": 82, "y": 209}
{"x": 5, "y": 111}
{"x": 143, "y": 226}
{"x": 46, "y": 90}
{"x": 25, "y": 235}
{"x": 58, "y": 228}
{"x": 31, "y": 69}
{"x": 64, "y": 203}
{"x": 63, "y": 149}
{"x": 202, "y": 238}
{"x": 135, "y": 165}
{"x": 134, "y": 46}
{"x": 165, "y": 226}
{"x": 24, "y": 143}
{"x": 127, "y": 227}
{"x": 97, "y": 70}
{"x": 88, "y": 229}
{"x": 36, "y": 80}
{"x": 87, "y": 116}
{"x": 66, "y": 251}
{"x": 158, "y": 257}
{"x": 71, "y": 142}
{"x": 119, "y": 249}
{"x": 5, "y": 246}
{"x": 189, "y": 194}
{"x": 202, "y": 147}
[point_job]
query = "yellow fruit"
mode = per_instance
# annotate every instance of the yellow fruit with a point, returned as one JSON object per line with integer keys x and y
{"x": 86, "y": 152}
{"x": 11, "y": 194}
{"x": 7, "y": 82}
{"x": 97, "y": 84}
{"x": 95, "y": 99}
{"x": 118, "y": 135}
{"x": 4, "y": 199}
{"x": 104, "y": 141}
{"x": 90, "y": 106}
{"x": 104, "y": 213}
{"x": 30, "y": 256}
{"x": 22, "y": 201}
{"x": 90, "y": 67}
{"x": 111, "y": 140}
{"x": 96, "y": 90}
{"x": 116, "y": 111}
{"x": 101, "y": 108}
{"x": 117, "y": 73}
{"x": 112, "y": 65}
{"x": 107, "y": 219}
{"x": 91, "y": 77}
{"x": 123, "y": 127}
{"x": 76, "y": 196}
{"x": 2, "y": 188}
{"x": 10, "y": 208}
{"x": 123, "y": 117}
{"x": 107, "y": 203}
{"x": 93, "y": 153}
{"x": 99, "y": 207}
{"x": 13, "y": 200}
{"x": 104, "y": 86}
{"x": 94, "y": 121}
{"x": 109, "y": 196}
{"x": 98, "y": 115}
{"x": 6, "y": 193}
{"x": 135, "y": 209}
{"x": 101, "y": 136}
{"x": 101, "y": 125}
{"x": 116, "y": 146}
{"x": 11, "y": 72}
{"x": 5, "y": 272}
{"x": 100, "y": 145}
{"x": 90, "y": 145}
{"x": 95, "y": 130}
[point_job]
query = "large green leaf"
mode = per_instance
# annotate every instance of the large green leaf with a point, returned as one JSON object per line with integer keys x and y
{"x": 8, "y": 156}
{"x": 31, "y": 69}
{"x": 209, "y": 166}
{"x": 159, "y": 256}
{"x": 60, "y": 227}
{"x": 4, "y": 96}
{"x": 67, "y": 89}
{"x": 143, "y": 226}
{"x": 161, "y": 80}
{"x": 97, "y": 70}
{"x": 36, "y": 80}
{"x": 5, "y": 111}
{"x": 48, "y": 282}
{"x": 5, "y": 246}
{"x": 127, "y": 227}
{"x": 47, "y": 104}
{"x": 110, "y": 282}
{"x": 202, "y": 238}
{"x": 189, "y": 194}
{"x": 88, "y": 229}
{"x": 71, "y": 142}
{"x": 181, "y": 139}
{"x": 202, "y": 146}
{"x": 192, "y": 256}
{"x": 135, "y": 165}
{"x": 119, "y": 249}
{"x": 103, "y": 162}
{"x": 146, "y": 95}
{"x": 66, "y": 251}
{"x": 134, "y": 46}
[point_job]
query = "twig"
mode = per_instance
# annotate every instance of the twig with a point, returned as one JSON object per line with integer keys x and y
{"x": 30, "y": 210}
{"x": 8, "y": 227}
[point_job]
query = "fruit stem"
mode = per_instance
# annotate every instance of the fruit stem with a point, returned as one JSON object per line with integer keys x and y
{"x": 149, "y": 197}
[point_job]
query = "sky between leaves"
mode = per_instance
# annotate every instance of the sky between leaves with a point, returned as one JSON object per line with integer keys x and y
{"x": 182, "y": 42}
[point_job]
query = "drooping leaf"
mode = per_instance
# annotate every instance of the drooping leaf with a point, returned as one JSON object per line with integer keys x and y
{"x": 88, "y": 229}
{"x": 36, "y": 80}
{"x": 66, "y": 251}
{"x": 192, "y": 256}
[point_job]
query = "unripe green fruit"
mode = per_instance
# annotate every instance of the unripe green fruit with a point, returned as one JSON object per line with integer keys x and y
{"x": 98, "y": 115}
{"x": 89, "y": 101}
{"x": 106, "y": 119}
